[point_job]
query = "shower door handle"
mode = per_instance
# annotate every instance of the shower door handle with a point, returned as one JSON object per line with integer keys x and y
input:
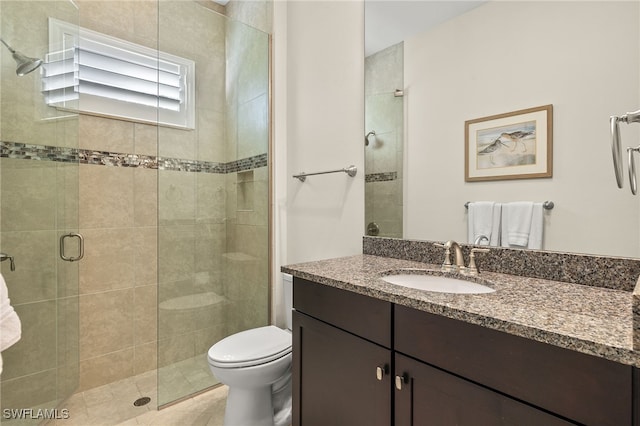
{"x": 80, "y": 245}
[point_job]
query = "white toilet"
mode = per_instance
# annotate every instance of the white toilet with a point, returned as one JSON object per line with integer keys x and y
{"x": 256, "y": 365}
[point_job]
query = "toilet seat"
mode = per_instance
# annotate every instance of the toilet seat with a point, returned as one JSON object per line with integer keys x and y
{"x": 251, "y": 347}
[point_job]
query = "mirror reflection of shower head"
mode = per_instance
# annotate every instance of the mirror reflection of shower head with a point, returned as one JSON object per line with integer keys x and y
{"x": 366, "y": 138}
{"x": 25, "y": 63}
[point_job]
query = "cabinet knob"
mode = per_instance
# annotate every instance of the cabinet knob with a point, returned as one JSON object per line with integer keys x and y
{"x": 380, "y": 372}
{"x": 400, "y": 380}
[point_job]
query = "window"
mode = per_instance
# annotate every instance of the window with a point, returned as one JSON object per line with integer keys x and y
{"x": 98, "y": 74}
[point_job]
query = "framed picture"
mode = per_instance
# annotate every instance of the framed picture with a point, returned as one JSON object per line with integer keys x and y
{"x": 515, "y": 145}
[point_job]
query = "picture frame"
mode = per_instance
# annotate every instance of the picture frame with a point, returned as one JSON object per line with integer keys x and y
{"x": 514, "y": 145}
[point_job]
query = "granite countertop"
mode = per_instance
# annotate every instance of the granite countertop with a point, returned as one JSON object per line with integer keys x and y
{"x": 592, "y": 320}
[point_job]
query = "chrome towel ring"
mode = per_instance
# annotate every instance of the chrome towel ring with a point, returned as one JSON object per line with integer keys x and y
{"x": 616, "y": 150}
{"x": 633, "y": 181}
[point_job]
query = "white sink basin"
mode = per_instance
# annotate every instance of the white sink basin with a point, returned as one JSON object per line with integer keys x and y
{"x": 437, "y": 283}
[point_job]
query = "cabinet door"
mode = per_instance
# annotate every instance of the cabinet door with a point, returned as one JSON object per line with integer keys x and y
{"x": 336, "y": 380}
{"x": 584, "y": 388}
{"x": 429, "y": 396}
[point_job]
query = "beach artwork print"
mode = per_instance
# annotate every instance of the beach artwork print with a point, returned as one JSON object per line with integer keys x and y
{"x": 507, "y": 146}
{"x": 515, "y": 145}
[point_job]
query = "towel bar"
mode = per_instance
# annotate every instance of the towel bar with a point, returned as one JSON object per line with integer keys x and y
{"x": 351, "y": 171}
{"x": 547, "y": 205}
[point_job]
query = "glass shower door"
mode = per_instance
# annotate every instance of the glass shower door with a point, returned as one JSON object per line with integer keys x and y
{"x": 38, "y": 206}
{"x": 213, "y": 197}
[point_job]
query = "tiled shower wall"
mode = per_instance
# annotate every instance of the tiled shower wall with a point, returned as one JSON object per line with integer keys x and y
{"x": 210, "y": 241}
{"x": 118, "y": 218}
{"x": 39, "y": 203}
{"x": 247, "y": 256}
{"x": 384, "y": 154}
{"x": 212, "y": 189}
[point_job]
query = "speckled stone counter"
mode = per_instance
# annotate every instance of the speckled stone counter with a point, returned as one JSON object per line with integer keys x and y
{"x": 588, "y": 319}
{"x": 617, "y": 273}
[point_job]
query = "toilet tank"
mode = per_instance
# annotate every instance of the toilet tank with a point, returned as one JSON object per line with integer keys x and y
{"x": 287, "y": 285}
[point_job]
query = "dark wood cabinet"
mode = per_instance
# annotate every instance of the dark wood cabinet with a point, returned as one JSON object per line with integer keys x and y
{"x": 430, "y": 396}
{"x": 358, "y": 360}
{"x": 584, "y": 388}
{"x": 341, "y": 379}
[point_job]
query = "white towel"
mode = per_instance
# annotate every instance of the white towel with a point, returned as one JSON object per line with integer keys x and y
{"x": 484, "y": 219}
{"x": 522, "y": 225}
{"x": 537, "y": 227}
{"x": 10, "y": 327}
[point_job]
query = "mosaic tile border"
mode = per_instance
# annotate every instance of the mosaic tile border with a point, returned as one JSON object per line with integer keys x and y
{"x": 380, "y": 177}
{"x": 25, "y": 151}
{"x": 616, "y": 273}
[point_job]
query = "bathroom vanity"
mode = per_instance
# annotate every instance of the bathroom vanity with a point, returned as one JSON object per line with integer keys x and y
{"x": 534, "y": 352}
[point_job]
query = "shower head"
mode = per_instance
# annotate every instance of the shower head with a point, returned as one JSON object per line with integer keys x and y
{"x": 366, "y": 138}
{"x": 25, "y": 63}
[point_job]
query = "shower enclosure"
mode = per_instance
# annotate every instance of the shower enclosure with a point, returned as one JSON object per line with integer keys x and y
{"x": 38, "y": 206}
{"x": 213, "y": 257}
{"x": 174, "y": 218}
{"x": 384, "y": 142}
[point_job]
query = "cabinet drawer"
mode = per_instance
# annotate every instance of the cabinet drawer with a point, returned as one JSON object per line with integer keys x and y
{"x": 580, "y": 387}
{"x": 361, "y": 315}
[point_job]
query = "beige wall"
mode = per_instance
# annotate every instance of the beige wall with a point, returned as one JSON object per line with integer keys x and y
{"x": 567, "y": 54}
{"x": 324, "y": 130}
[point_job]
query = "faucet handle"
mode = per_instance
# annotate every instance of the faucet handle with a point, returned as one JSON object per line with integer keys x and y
{"x": 446, "y": 264}
{"x": 480, "y": 250}
{"x": 472, "y": 269}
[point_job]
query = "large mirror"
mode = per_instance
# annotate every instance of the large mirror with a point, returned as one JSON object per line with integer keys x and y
{"x": 491, "y": 58}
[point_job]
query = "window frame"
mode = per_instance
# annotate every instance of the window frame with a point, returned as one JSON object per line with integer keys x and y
{"x": 65, "y": 38}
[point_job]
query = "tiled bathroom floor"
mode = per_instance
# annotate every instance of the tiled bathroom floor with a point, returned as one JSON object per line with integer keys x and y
{"x": 112, "y": 405}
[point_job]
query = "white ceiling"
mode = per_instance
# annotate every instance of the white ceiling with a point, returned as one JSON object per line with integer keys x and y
{"x": 388, "y": 22}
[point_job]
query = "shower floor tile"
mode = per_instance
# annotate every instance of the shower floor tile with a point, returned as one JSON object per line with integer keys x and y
{"x": 112, "y": 405}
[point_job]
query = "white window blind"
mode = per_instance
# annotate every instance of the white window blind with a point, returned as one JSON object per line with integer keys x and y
{"x": 99, "y": 74}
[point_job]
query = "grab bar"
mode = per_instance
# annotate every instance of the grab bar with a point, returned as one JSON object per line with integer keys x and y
{"x": 547, "y": 205}
{"x": 351, "y": 171}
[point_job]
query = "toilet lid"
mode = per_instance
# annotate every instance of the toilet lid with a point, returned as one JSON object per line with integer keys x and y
{"x": 250, "y": 347}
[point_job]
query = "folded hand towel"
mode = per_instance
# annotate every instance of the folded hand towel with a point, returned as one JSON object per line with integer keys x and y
{"x": 484, "y": 219}
{"x": 522, "y": 225}
{"x": 537, "y": 227}
{"x": 10, "y": 327}
{"x": 516, "y": 223}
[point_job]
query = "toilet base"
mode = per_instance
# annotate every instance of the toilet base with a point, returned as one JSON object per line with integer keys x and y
{"x": 249, "y": 407}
